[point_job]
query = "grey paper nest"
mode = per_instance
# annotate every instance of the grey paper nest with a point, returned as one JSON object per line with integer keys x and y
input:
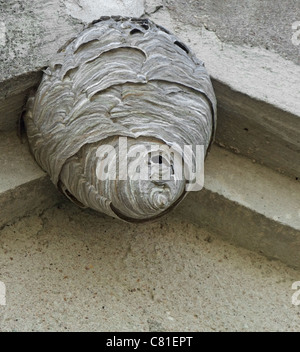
{"x": 120, "y": 77}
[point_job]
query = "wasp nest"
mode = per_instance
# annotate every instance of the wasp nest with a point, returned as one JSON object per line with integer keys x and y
{"x": 127, "y": 78}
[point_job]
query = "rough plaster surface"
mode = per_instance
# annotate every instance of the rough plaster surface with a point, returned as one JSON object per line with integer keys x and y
{"x": 89, "y": 10}
{"x": 71, "y": 270}
{"x": 266, "y": 24}
{"x": 43, "y": 27}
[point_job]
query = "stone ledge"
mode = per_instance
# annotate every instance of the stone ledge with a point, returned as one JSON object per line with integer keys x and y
{"x": 249, "y": 205}
{"x": 24, "y": 187}
{"x": 258, "y": 130}
{"x": 32, "y": 197}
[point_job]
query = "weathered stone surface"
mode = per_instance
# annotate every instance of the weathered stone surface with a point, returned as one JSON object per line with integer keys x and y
{"x": 249, "y": 205}
{"x": 13, "y": 96}
{"x": 70, "y": 270}
{"x": 258, "y": 130}
{"x": 88, "y": 10}
{"x": 17, "y": 164}
{"x": 264, "y": 23}
{"x": 24, "y": 187}
{"x": 254, "y": 186}
{"x": 34, "y": 30}
{"x": 29, "y": 198}
{"x": 243, "y": 227}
